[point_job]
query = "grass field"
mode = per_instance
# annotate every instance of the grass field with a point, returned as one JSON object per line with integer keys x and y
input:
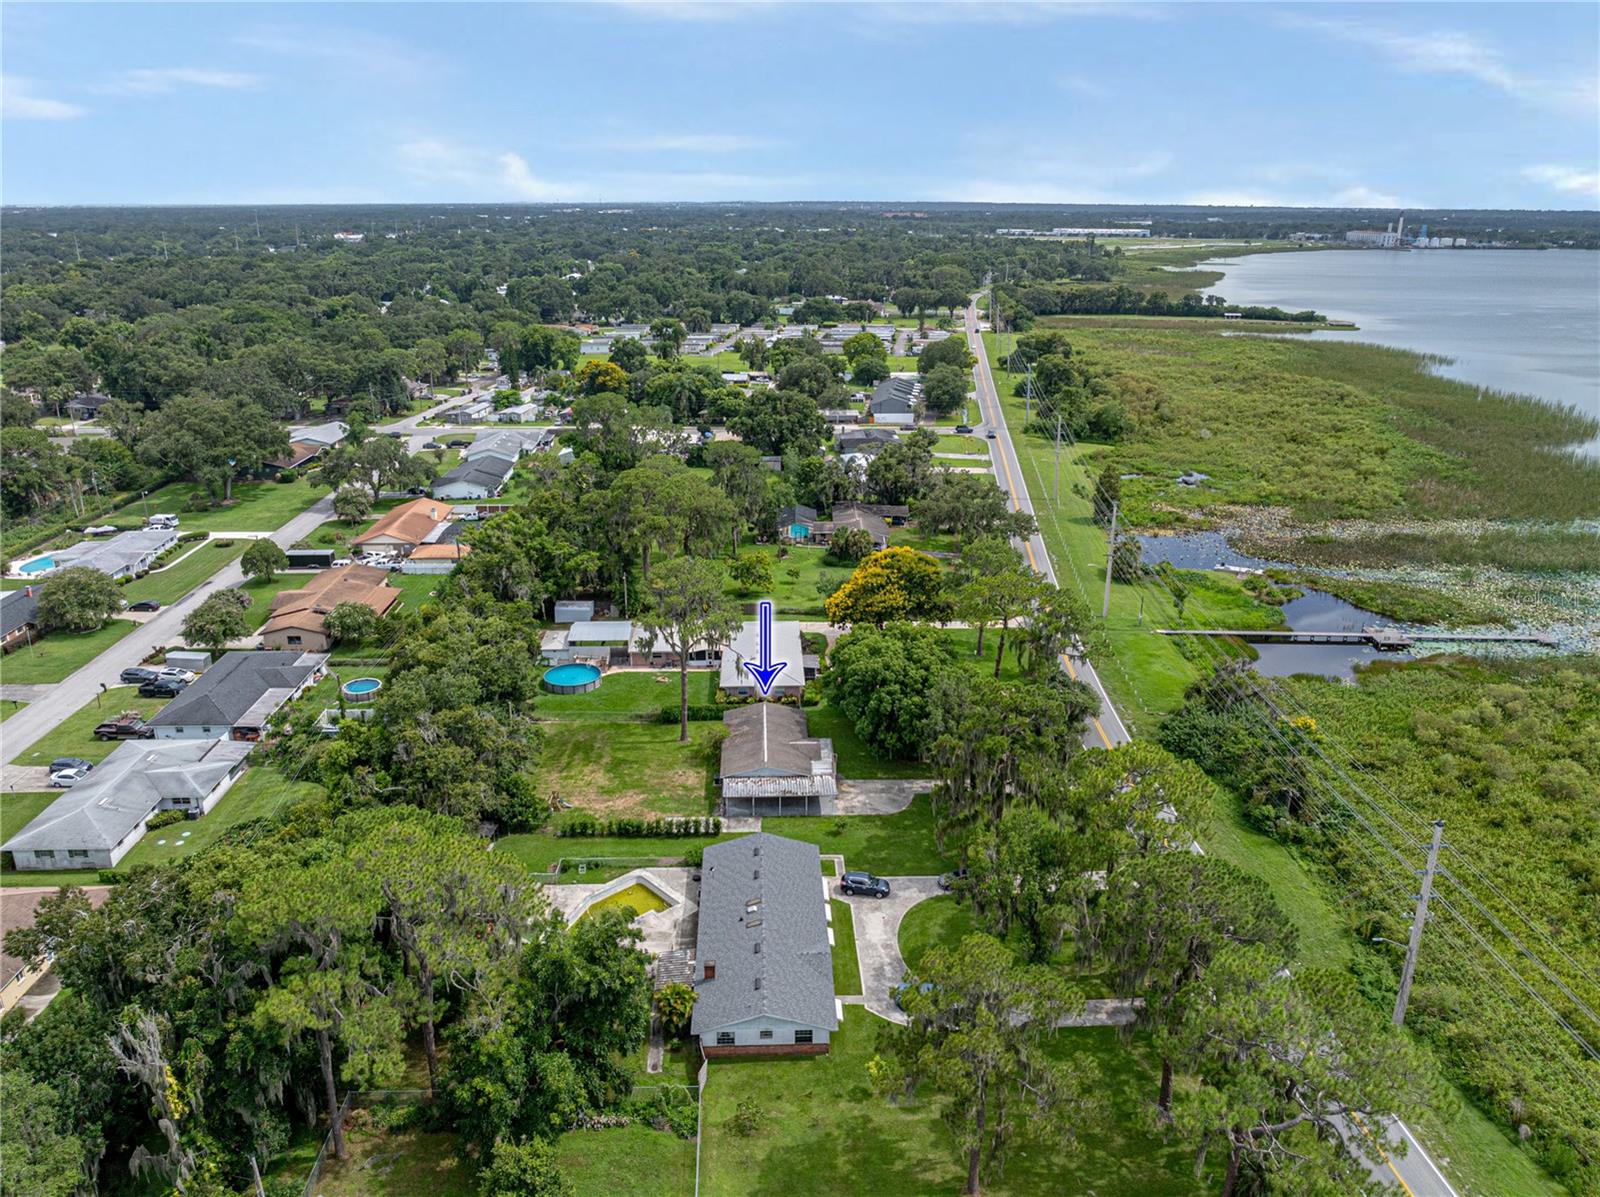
{"x": 801, "y": 580}
{"x": 972, "y": 445}
{"x": 256, "y": 506}
{"x": 617, "y": 768}
{"x": 630, "y": 694}
{"x": 939, "y": 922}
{"x": 171, "y": 583}
{"x": 18, "y": 809}
{"x": 9, "y": 707}
{"x": 846, "y": 967}
{"x": 56, "y": 654}
{"x": 856, "y": 760}
{"x": 73, "y": 736}
{"x": 628, "y": 1161}
{"x": 404, "y": 1163}
{"x": 823, "y": 1123}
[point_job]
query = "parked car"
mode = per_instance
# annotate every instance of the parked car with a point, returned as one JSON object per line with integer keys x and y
{"x": 339, "y": 562}
{"x": 127, "y": 726}
{"x": 901, "y": 990}
{"x": 171, "y": 673}
{"x": 67, "y": 778}
{"x": 162, "y": 519}
{"x": 136, "y": 675}
{"x": 865, "y": 884}
{"x": 432, "y": 445}
{"x": 145, "y": 605}
{"x": 459, "y": 442}
{"x": 964, "y": 429}
{"x": 952, "y": 879}
{"x": 162, "y": 687}
{"x": 62, "y": 763}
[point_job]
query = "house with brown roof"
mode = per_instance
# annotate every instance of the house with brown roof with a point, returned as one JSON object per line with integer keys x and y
{"x": 404, "y": 528}
{"x": 298, "y": 618}
{"x": 440, "y": 557}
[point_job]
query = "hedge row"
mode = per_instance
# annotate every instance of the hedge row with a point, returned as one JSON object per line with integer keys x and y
{"x": 582, "y": 825}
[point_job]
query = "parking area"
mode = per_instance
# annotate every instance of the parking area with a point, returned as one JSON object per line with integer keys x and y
{"x": 877, "y": 926}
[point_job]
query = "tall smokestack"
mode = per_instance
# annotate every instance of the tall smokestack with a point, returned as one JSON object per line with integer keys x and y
{"x": 1402, "y": 229}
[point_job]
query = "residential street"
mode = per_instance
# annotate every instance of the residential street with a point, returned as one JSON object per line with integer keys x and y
{"x": 38, "y": 718}
{"x": 1106, "y": 730}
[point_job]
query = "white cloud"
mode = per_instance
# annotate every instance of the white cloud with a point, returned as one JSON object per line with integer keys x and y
{"x": 1569, "y": 180}
{"x": 19, "y": 102}
{"x": 518, "y": 178}
{"x": 341, "y": 47}
{"x": 156, "y": 81}
{"x": 1452, "y": 52}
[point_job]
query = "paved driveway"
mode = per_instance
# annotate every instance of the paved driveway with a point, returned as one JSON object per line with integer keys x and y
{"x": 880, "y": 796}
{"x": 877, "y": 926}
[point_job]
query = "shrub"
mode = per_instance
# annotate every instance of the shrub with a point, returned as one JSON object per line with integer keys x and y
{"x": 188, "y": 537}
{"x": 287, "y": 476}
{"x": 704, "y": 712}
{"x": 164, "y": 818}
{"x": 748, "y": 1118}
{"x": 222, "y": 544}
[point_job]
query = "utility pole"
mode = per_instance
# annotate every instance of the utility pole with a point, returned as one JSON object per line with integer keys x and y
{"x": 1111, "y": 556}
{"x": 255, "y": 1178}
{"x": 1027, "y": 399}
{"x": 1417, "y": 923}
{"x": 1055, "y": 491}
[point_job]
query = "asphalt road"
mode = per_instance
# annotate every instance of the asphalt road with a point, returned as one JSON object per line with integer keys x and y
{"x": 1415, "y": 1173}
{"x": 38, "y": 718}
{"x": 1106, "y": 730}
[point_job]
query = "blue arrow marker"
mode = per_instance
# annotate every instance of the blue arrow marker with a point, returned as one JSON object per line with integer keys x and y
{"x": 767, "y": 672}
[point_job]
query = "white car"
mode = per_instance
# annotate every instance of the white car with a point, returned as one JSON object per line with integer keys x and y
{"x": 173, "y": 674}
{"x": 342, "y": 561}
{"x": 66, "y": 778}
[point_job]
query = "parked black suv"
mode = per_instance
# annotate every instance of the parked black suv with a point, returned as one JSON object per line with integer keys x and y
{"x": 162, "y": 687}
{"x": 137, "y": 675}
{"x": 864, "y": 883}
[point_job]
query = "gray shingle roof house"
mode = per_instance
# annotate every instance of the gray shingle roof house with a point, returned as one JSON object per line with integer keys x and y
{"x": 19, "y": 616}
{"x": 768, "y": 754}
{"x": 481, "y": 478}
{"x": 763, "y": 957}
{"x": 237, "y": 695}
{"x": 95, "y": 823}
{"x": 864, "y": 440}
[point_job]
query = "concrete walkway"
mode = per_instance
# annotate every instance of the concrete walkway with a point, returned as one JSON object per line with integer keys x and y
{"x": 25, "y": 693}
{"x": 38, "y": 719}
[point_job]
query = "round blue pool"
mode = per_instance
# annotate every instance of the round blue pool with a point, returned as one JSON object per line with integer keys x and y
{"x": 571, "y": 679}
{"x": 362, "y": 687}
{"x": 37, "y": 566}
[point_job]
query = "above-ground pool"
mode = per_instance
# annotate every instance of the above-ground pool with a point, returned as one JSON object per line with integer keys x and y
{"x": 37, "y": 566}
{"x": 571, "y": 679}
{"x": 362, "y": 688}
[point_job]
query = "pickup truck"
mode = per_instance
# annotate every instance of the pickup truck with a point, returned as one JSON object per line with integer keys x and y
{"x": 127, "y": 726}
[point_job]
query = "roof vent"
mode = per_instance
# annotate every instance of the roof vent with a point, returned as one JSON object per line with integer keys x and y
{"x": 756, "y": 851}
{"x": 758, "y": 947}
{"x": 711, "y": 970}
{"x": 755, "y": 875}
{"x": 758, "y": 982}
{"x": 752, "y": 922}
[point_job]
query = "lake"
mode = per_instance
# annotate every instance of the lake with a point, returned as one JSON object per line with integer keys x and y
{"x": 1527, "y": 322}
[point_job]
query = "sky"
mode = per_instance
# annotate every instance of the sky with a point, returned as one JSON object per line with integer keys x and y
{"x": 1387, "y": 105}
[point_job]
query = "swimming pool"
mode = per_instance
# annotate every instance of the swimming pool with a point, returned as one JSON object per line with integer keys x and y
{"x": 571, "y": 679}
{"x": 362, "y": 687}
{"x": 37, "y": 566}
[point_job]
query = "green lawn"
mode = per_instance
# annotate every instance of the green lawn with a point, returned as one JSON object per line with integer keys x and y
{"x": 9, "y": 707}
{"x": 616, "y": 768}
{"x": 19, "y": 809}
{"x": 824, "y": 1123}
{"x": 801, "y": 582}
{"x": 856, "y": 760}
{"x": 171, "y": 583}
{"x": 261, "y": 792}
{"x": 971, "y": 445}
{"x": 538, "y": 851}
{"x": 846, "y": 968}
{"x": 256, "y": 506}
{"x": 262, "y": 593}
{"x": 894, "y": 845}
{"x": 627, "y": 1161}
{"x": 940, "y": 922}
{"x": 57, "y": 654}
{"x": 630, "y": 693}
{"x": 73, "y": 736}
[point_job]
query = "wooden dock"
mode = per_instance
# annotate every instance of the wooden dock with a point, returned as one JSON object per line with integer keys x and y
{"x": 1385, "y": 640}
